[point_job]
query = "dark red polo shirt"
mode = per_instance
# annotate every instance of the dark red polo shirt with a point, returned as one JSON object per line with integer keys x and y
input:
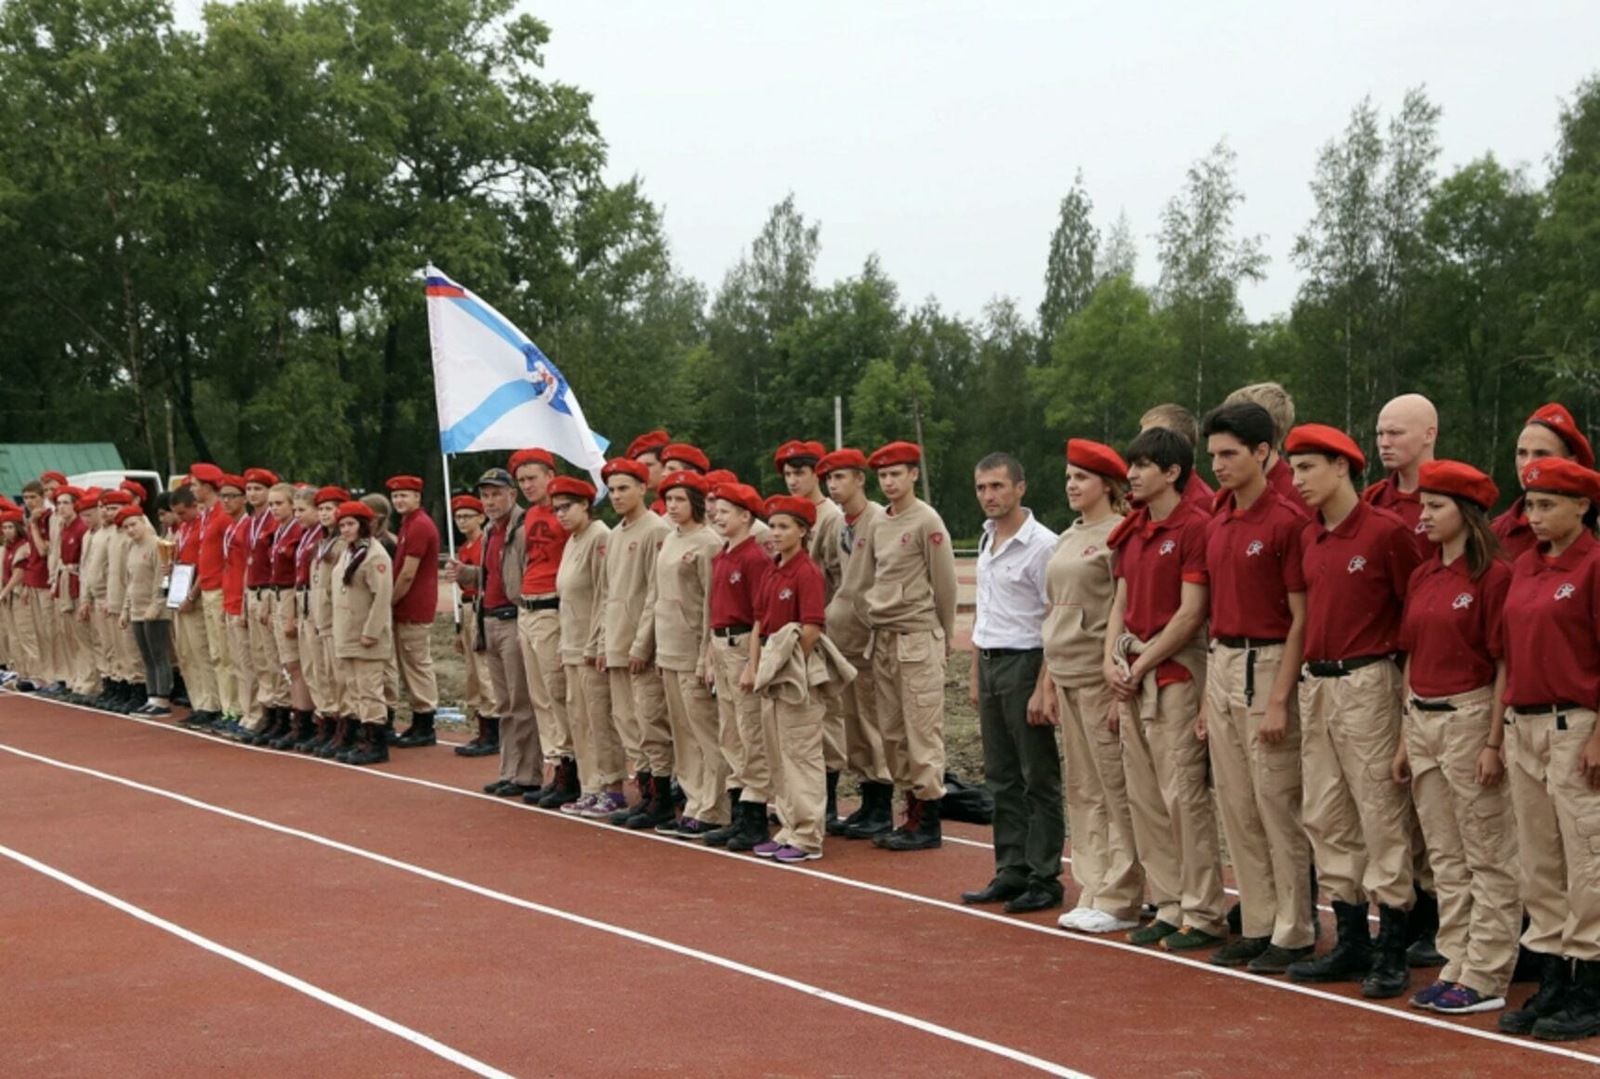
{"x": 1356, "y": 580}
{"x": 418, "y": 538}
{"x": 494, "y": 587}
{"x": 258, "y": 571}
{"x": 736, "y": 577}
{"x": 793, "y": 591}
{"x": 470, "y": 554}
{"x": 235, "y": 564}
{"x": 1198, "y": 493}
{"x": 1386, "y": 495}
{"x": 72, "y": 551}
{"x": 1156, "y": 560}
{"x": 1451, "y": 626}
{"x": 285, "y": 539}
{"x": 21, "y": 554}
{"x": 214, "y": 525}
{"x": 546, "y": 540}
{"x": 1511, "y": 528}
{"x": 305, "y": 553}
{"x": 1280, "y": 478}
{"x": 1552, "y": 627}
{"x": 1253, "y": 560}
{"x": 36, "y": 573}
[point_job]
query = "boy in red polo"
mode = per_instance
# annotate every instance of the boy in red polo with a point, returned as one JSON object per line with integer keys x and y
{"x": 1155, "y": 666}
{"x": 1358, "y": 562}
{"x": 415, "y": 600}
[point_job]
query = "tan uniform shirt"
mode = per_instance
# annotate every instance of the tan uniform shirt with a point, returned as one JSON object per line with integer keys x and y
{"x": 324, "y": 571}
{"x": 913, "y": 572}
{"x": 361, "y": 608}
{"x": 116, "y": 571}
{"x": 578, "y": 583}
{"x": 1080, "y": 588}
{"x": 824, "y": 549}
{"x": 847, "y": 612}
{"x": 622, "y": 631}
{"x": 96, "y": 565}
{"x": 143, "y": 601}
{"x": 679, "y": 597}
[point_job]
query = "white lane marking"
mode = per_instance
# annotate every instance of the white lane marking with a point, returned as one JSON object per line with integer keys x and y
{"x": 299, "y": 985}
{"x": 1420, "y": 1018}
{"x": 927, "y": 1027}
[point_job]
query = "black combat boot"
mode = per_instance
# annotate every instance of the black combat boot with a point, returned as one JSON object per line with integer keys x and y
{"x": 876, "y": 815}
{"x": 420, "y": 733}
{"x": 1555, "y": 982}
{"x": 1579, "y": 1014}
{"x": 1389, "y": 976}
{"x": 1351, "y": 957}
{"x": 921, "y": 829}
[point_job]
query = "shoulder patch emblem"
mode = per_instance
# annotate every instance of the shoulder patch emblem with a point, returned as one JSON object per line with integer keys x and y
{"x": 936, "y": 539}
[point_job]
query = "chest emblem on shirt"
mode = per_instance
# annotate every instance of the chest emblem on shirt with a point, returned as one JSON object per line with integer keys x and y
{"x": 862, "y": 542}
{"x": 1566, "y": 591}
{"x": 1420, "y": 529}
{"x": 905, "y": 538}
{"x": 1357, "y": 564}
{"x": 633, "y": 546}
{"x": 1255, "y": 548}
{"x": 1168, "y": 547}
{"x": 688, "y": 556}
{"x": 735, "y": 577}
{"x": 1463, "y": 601}
{"x": 787, "y": 593}
{"x": 1089, "y": 550}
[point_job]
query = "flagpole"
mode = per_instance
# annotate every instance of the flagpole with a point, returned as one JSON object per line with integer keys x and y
{"x": 450, "y": 538}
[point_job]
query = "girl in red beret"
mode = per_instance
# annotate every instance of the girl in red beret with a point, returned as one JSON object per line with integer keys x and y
{"x": 467, "y": 511}
{"x": 1453, "y": 739}
{"x": 1549, "y": 432}
{"x": 1552, "y": 656}
{"x": 21, "y": 629}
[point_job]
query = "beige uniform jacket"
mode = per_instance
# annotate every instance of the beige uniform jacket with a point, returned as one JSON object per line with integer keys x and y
{"x": 622, "y": 632}
{"x": 824, "y": 548}
{"x": 847, "y": 611}
{"x": 324, "y": 567}
{"x": 116, "y": 571}
{"x": 96, "y": 565}
{"x": 143, "y": 601}
{"x": 786, "y": 673}
{"x": 678, "y": 599}
{"x": 1080, "y": 587}
{"x": 361, "y": 607}
{"x": 912, "y": 572}
{"x": 578, "y": 584}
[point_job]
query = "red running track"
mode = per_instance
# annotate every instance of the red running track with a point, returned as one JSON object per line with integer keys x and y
{"x": 535, "y": 944}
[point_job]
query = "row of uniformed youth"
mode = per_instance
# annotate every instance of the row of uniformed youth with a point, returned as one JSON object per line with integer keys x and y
{"x": 1385, "y": 684}
{"x": 280, "y": 605}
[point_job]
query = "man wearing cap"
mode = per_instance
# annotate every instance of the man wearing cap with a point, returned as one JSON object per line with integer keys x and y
{"x": 1550, "y": 432}
{"x": 911, "y": 606}
{"x": 539, "y": 621}
{"x": 467, "y": 511}
{"x": 189, "y": 620}
{"x": 623, "y": 647}
{"x": 1021, "y": 761}
{"x": 1358, "y": 560}
{"x": 416, "y": 601}
{"x": 845, "y": 472}
{"x": 208, "y": 482}
{"x": 498, "y": 582}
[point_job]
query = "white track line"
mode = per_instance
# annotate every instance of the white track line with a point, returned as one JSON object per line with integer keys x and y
{"x": 333, "y": 1000}
{"x": 1015, "y": 1055}
{"x": 1281, "y": 985}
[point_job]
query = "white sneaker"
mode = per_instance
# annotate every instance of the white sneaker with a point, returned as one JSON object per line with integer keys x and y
{"x": 1098, "y": 921}
{"x": 1073, "y": 919}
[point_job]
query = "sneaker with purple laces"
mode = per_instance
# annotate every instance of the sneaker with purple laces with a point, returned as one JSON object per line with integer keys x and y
{"x": 1424, "y": 998}
{"x": 790, "y": 855}
{"x": 575, "y": 809}
{"x": 1465, "y": 1000}
{"x": 604, "y": 805}
{"x": 766, "y": 850}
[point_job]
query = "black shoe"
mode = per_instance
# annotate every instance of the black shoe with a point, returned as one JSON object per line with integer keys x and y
{"x": 420, "y": 733}
{"x": 875, "y": 818}
{"x": 720, "y": 837}
{"x": 920, "y": 831}
{"x": 1422, "y": 927}
{"x": 644, "y": 782}
{"x": 998, "y": 890}
{"x": 1036, "y": 898}
{"x": 657, "y": 810}
{"x": 1579, "y": 1014}
{"x": 565, "y": 789}
{"x": 337, "y": 739}
{"x": 1241, "y": 952}
{"x": 1389, "y": 976}
{"x": 1555, "y": 982}
{"x": 1236, "y": 920}
{"x": 830, "y": 812}
{"x": 487, "y": 742}
{"x": 1351, "y": 958}
{"x": 752, "y": 824}
{"x": 371, "y": 747}
{"x": 1276, "y": 960}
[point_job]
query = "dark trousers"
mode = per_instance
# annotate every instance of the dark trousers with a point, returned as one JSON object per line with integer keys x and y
{"x": 1022, "y": 766}
{"x": 155, "y": 648}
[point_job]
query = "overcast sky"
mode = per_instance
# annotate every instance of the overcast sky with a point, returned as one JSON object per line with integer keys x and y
{"x": 941, "y": 134}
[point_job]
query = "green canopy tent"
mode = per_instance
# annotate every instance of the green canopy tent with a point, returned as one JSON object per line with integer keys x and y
{"x": 23, "y": 461}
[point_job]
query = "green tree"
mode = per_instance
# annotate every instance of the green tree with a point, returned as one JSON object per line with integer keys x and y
{"x": 1069, "y": 273}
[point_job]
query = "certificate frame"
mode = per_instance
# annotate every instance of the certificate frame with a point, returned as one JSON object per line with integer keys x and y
{"x": 180, "y": 584}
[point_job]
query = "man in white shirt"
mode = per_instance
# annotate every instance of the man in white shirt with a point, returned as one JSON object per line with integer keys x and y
{"x": 1021, "y": 762}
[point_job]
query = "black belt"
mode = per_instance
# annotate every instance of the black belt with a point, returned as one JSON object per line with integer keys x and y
{"x": 1338, "y": 668}
{"x": 302, "y": 588}
{"x": 1422, "y": 705}
{"x": 551, "y": 604}
{"x": 1245, "y": 642}
{"x": 500, "y": 614}
{"x": 731, "y": 631}
{"x": 1546, "y": 709}
{"x": 1002, "y": 653}
{"x": 268, "y": 587}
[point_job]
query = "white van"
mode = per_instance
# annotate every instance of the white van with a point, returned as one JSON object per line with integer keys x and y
{"x": 107, "y": 478}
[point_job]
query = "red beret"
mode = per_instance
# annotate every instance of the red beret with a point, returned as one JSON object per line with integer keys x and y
{"x": 331, "y": 494}
{"x": 1096, "y": 457}
{"x": 625, "y": 466}
{"x": 845, "y": 458}
{"x": 236, "y": 482}
{"x": 134, "y": 488}
{"x": 1459, "y": 481}
{"x": 265, "y": 477}
{"x": 683, "y": 478}
{"x": 794, "y": 506}
{"x": 6, "y": 504}
{"x": 204, "y": 473}
{"x": 126, "y": 514}
{"x": 405, "y": 483}
{"x": 793, "y": 450}
{"x": 66, "y": 491}
{"x": 573, "y": 487}
{"x": 742, "y": 495}
{"x": 648, "y": 443}
{"x": 466, "y": 502}
{"x": 1559, "y": 420}
{"x": 46, "y": 477}
{"x": 689, "y": 455}
{"x": 1320, "y": 438}
{"x": 1562, "y": 476}
{"x": 719, "y": 475}
{"x": 117, "y": 497}
{"x": 530, "y": 457}
{"x": 90, "y": 499}
{"x": 895, "y": 453}
{"x": 359, "y": 510}
{"x": 11, "y": 516}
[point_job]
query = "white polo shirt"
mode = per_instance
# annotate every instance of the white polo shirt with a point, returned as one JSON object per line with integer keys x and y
{"x": 1012, "y": 601}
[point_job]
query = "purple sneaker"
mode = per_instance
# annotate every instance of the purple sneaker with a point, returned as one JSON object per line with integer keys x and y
{"x": 789, "y": 855}
{"x": 576, "y": 809}
{"x": 604, "y": 805}
{"x": 1424, "y": 998}
{"x": 1464, "y": 1000}
{"x": 691, "y": 828}
{"x": 767, "y": 850}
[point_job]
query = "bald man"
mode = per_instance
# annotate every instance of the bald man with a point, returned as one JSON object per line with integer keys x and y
{"x": 1408, "y": 428}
